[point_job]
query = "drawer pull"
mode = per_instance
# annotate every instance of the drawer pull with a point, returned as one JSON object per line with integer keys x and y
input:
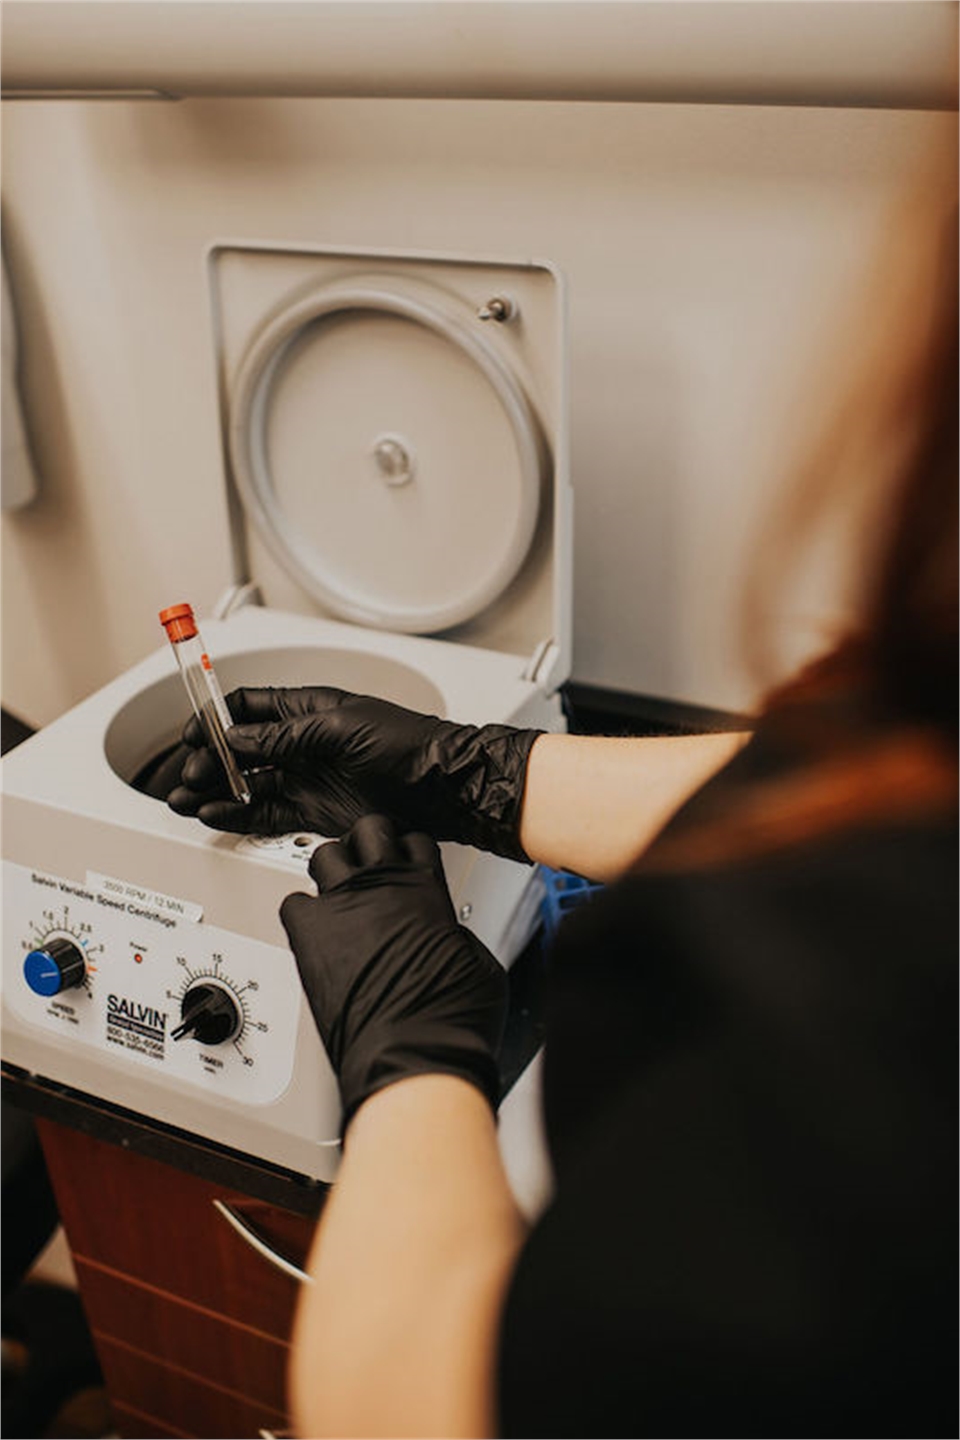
{"x": 256, "y": 1242}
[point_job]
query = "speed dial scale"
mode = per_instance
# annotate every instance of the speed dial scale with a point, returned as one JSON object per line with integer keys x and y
{"x": 60, "y": 954}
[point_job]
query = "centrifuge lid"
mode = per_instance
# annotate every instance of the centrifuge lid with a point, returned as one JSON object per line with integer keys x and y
{"x": 401, "y": 460}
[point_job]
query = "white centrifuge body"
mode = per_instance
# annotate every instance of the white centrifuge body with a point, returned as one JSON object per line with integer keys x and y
{"x": 394, "y": 432}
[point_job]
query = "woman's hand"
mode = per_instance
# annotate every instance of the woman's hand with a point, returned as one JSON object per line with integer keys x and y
{"x": 319, "y": 758}
{"x": 397, "y": 987}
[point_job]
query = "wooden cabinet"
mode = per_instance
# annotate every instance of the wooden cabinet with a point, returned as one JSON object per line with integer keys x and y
{"x": 192, "y": 1325}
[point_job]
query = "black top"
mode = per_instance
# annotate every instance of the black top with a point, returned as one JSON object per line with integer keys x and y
{"x": 750, "y": 1095}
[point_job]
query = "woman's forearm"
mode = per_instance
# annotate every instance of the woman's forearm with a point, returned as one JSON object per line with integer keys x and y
{"x": 592, "y": 803}
{"x": 397, "y": 1335}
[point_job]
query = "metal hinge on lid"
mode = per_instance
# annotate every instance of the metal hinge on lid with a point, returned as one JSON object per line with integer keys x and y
{"x": 540, "y": 665}
{"x": 235, "y": 597}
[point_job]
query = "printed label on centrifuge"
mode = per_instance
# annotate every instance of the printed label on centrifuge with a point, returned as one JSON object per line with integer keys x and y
{"x": 136, "y": 896}
{"x": 118, "y": 972}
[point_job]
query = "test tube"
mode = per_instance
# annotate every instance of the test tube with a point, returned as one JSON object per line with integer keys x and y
{"x": 206, "y": 697}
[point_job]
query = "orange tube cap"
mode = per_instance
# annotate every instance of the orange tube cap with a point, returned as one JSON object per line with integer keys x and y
{"x": 178, "y": 622}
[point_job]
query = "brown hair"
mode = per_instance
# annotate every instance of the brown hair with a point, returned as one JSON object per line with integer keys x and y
{"x": 869, "y": 731}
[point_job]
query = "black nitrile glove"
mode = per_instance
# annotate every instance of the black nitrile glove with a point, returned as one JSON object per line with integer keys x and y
{"x": 333, "y": 756}
{"x": 396, "y": 986}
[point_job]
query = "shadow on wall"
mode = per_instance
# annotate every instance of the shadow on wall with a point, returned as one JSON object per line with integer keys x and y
{"x": 668, "y": 143}
{"x": 648, "y": 463}
{"x": 58, "y": 521}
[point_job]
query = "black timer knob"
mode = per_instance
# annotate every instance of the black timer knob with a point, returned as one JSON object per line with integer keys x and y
{"x": 209, "y": 1014}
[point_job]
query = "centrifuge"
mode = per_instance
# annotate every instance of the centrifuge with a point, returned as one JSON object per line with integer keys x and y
{"x": 396, "y": 486}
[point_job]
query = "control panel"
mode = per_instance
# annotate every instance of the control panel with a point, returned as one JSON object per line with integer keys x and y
{"x": 148, "y": 987}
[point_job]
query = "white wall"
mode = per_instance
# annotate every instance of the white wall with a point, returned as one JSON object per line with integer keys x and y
{"x": 709, "y": 253}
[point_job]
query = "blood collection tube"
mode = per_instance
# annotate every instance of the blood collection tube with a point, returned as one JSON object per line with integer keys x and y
{"x": 206, "y": 697}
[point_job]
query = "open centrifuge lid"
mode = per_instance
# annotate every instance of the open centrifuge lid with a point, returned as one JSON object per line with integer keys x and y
{"x": 401, "y": 459}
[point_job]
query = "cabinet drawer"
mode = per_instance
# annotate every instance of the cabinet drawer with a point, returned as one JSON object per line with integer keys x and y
{"x": 181, "y": 1403}
{"x": 158, "y": 1225}
{"x": 134, "y": 1425}
{"x": 240, "y": 1359}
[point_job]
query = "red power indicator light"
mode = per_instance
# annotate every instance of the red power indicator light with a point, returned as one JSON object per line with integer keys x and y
{"x": 138, "y": 959}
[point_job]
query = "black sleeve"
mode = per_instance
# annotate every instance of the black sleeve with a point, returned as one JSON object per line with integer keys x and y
{"x": 750, "y": 1101}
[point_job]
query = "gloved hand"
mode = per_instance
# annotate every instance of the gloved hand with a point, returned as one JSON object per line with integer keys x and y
{"x": 396, "y": 986}
{"x": 334, "y": 756}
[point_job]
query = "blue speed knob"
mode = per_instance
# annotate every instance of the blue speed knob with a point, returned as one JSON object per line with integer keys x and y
{"x": 57, "y": 966}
